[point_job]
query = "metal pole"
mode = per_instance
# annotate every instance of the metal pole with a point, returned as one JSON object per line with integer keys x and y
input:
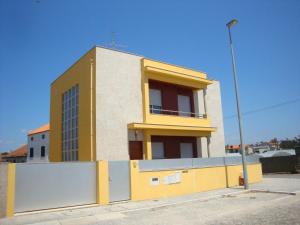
{"x": 245, "y": 173}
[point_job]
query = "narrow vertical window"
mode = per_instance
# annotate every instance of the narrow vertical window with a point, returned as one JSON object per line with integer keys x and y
{"x": 70, "y": 104}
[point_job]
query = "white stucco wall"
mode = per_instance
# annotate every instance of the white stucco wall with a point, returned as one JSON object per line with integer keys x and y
{"x": 214, "y": 111}
{"x": 36, "y": 144}
{"x": 118, "y": 102}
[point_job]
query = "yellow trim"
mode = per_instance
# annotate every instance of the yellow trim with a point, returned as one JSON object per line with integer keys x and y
{"x": 176, "y": 78}
{"x": 83, "y": 74}
{"x": 172, "y": 68}
{"x": 170, "y": 127}
{"x": 102, "y": 182}
{"x": 147, "y": 145}
{"x": 174, "y": 74}
{"x": 11, "y": 179}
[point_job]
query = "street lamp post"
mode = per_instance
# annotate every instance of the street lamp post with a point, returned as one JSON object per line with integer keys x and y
{"x": 245, "y": 173}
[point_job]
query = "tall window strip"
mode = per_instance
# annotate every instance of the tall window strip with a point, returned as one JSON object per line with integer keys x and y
{"x": 70, "y": 102}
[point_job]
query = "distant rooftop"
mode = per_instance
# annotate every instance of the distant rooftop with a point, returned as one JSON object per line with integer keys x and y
{"x": 19, "y": 152}
{"x": 41, "y": 129}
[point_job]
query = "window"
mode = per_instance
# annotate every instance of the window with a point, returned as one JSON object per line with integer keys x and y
{"x": 158, "y": 150}
{"x": 186, "y": 150}
{"x": 155, "y": 101}
{"x": 184, "y": 105}
{"x": 70, "y": 102}
{"x": 43, "y": 136}
{"x": 43, "y": 151}
{"x": 31, "y": 138}
{"x": 31, "y": 153}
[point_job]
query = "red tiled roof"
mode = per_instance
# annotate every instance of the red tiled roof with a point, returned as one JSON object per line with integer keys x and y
{"x": 21, "y": 151}
{"x": 43, "y": 128}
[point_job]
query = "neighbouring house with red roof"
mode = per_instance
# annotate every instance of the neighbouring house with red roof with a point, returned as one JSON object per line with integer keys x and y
{"x": 38, "y": 144}
{"x": 17, "y": 156}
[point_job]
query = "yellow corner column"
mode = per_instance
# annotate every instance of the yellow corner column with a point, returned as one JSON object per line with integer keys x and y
{"x": 102, "y": 182}
{"x": 147, "y": 145}
{"x": 134, "y": 186}
{"x": 11, "y": 180}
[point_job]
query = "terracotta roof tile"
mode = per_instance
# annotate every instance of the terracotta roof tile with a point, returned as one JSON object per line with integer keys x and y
{"x": 21, "y": 151}
{"x": 43, "y": 128}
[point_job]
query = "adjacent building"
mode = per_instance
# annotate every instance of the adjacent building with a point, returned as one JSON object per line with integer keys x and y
{"x": 112, "y": 105}
{"x": 19, "y": 155}
{"x": 38, "y": 144}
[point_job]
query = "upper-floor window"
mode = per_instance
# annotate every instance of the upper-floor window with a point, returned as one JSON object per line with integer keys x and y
{"x": 43, "y": 136}
{"x": 184, "y": 105}
{"x": 43, "y": 151}
{"x": 155, "y": 101}
{"x": 31, "y": 152}
{"x": 31, "y": 138}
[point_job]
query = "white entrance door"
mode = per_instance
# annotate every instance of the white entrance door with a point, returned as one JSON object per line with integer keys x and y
{"x": 186, "y": 150}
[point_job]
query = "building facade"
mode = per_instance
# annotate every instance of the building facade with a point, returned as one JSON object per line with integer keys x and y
{"x": 38, "y": 144}
{"x": 112, "y": 105}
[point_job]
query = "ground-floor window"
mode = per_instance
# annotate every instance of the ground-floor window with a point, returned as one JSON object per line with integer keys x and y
{"x": 158, "y": 150}
{"x": 171, "y": 147}
{"x": 186, "y": 150}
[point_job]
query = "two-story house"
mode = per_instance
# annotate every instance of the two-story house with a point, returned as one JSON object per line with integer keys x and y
{"x": 112, "y": 105}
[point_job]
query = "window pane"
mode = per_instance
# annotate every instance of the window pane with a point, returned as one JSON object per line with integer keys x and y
{"x": 157, "y": 150}
{"x": 184, "y": 105}
{"x": 186, "y": 150}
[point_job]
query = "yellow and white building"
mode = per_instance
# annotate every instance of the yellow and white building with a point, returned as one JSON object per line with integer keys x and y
{"x": 112, "y": 105}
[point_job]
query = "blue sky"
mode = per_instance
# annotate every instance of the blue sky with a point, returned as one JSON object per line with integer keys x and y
{"x": 39, "y": 39}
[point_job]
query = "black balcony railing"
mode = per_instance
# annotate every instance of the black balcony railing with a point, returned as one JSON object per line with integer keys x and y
{"x": 154, "y": 109}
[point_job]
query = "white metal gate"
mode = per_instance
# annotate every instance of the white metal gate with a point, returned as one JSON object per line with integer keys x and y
{"x": 52, "y": 185}
{"x": 119, "y": 180}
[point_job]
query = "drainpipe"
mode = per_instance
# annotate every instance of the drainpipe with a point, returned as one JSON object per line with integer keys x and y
{"x": 208, "y": 146}
{"x": 204, "y": 101}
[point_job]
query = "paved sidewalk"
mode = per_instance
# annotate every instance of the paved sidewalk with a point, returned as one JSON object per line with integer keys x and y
{"x": 281, "y": 183}
{"x": 93, "y": 214}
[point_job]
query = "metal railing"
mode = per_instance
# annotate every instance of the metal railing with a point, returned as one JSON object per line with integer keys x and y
{"x": 158, "y": 110}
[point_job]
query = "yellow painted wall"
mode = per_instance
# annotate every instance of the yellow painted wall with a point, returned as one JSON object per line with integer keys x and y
{"x": 192, "y": 180}
{"x": 235, "y": 171}
{"x": 82, "y": 73}
{"x": 11, "y": 181}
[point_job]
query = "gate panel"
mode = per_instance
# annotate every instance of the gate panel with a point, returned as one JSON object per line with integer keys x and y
{"x": 53, "y": 185}
{"x": 119, "y": 178}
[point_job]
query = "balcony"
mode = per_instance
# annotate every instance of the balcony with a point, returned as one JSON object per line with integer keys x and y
{"x": 158, "y": 110}
{"x": 176, "y": 118}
